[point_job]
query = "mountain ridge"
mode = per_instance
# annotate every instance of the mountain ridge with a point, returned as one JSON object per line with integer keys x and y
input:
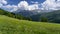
{"x": 30, "y": 12}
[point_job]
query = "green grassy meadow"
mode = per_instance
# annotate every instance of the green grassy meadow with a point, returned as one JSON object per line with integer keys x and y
{"x": 14, "y": 26}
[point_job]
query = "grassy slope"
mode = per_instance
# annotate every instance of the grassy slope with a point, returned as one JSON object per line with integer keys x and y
{"x": 14, "y": 26}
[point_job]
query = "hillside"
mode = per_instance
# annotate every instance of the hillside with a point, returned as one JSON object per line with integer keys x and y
{"x": 53, "y": 16}
{"x": 14, "y": 26}
{"x": 13, "y": 15}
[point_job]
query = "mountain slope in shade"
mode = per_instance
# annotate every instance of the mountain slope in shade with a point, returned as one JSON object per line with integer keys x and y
{"x": 53, "y": 16}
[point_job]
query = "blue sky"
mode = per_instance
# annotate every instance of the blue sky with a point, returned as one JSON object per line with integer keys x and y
{"x": 15, "y": 2}
{"x": 13, "y": 5}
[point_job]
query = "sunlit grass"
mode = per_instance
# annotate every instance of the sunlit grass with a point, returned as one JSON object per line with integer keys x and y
{"x": 14, "y": 26}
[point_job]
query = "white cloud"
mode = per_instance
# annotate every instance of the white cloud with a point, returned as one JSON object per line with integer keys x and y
{"x": 25, "y": 6}
{"x": 1, "y": 5}
{"x": 58, "y": 0}
{"x": 10, "y": 8}
{"x": 33, "y": 7}
{"x": 3, "y": 1}
{"x": 34, "y": 2}
{"x": 46, "y": 5}
{"x": 51, "y": 4}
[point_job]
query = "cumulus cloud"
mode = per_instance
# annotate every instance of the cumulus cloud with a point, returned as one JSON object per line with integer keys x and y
{"x": 4, "y": 5}
{"x": 1, "y": 5}
{"x": 10, "y": 8}
{"x": 24, "y": 5}
{"x": 51, "y": 5}
{"x": 2, "y": 2}
{"x": 33, "y": 7}
{"x": 34, "y": 2}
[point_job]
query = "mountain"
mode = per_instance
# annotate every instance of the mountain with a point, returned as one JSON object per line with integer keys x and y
{"x": 10, "y": 25}
{"x": 53, "y": 16}
{"x": 36, "y": 15}
{"x": 27, "y": 13}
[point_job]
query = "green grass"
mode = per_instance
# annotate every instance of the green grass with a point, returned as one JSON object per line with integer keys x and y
{"x": 14, "y": 26}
